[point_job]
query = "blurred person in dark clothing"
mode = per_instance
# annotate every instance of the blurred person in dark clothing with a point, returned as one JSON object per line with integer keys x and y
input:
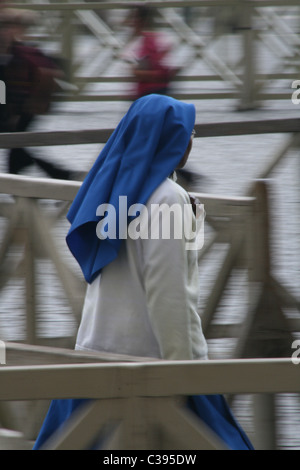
{"x": 29, "y": 77}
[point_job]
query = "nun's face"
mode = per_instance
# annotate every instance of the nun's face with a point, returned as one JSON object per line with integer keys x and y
{"x": 186, "y": 154}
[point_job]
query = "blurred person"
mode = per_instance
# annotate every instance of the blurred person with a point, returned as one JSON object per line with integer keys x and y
{"x": 142, "y": 291}
{"x": 148, "y": 55}
{"x": 29, "y": 76}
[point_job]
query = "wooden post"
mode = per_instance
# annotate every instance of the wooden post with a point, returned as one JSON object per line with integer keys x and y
{"x": 264, "y": 417}
{"x": 137, "y": 430}
{"x": 269, "y": 334}
{"x": 67, "y": 43}
{"x": 247, "y": 100}
{"x": 264, "y": 410}
{"x": 30, "y": 279}
{"x": 266, "y": 331}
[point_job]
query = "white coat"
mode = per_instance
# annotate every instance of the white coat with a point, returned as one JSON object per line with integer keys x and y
{"x": 144, "y": 303}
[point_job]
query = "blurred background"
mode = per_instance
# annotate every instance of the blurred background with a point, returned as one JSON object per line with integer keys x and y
{"x": 237, "y": 61}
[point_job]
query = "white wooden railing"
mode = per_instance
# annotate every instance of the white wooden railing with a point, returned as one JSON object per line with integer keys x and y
{"x": 140, "y": 405}
{"x": 241, "y": 222}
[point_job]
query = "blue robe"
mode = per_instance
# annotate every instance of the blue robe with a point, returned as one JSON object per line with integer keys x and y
{"x": 213, "y": 410}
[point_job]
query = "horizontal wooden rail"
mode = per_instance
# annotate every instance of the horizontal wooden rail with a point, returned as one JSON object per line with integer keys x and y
{"x": 42, "y": 188}
{"x": 266, "y": 126}
{"x": 187, "y": 78}
{"x": 63, "y": 190}
{"x": 52, "y": 138}
{"x": 188, "y": 96}
{"x": 154, "y": 3}
{"x": 97, "y": 136}
{"x": 149, "y": 379}
{"x": 22, "y": 354}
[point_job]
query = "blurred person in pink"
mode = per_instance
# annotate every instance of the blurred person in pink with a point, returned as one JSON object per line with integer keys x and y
{"x": 149, "y": 64}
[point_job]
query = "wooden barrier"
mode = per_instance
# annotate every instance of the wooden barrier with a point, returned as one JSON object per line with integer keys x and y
{"x": 97, "y": 136}
{"x": 240, "y": 222}
{"x": 138, "y": 405}
{"x": 26, "y": 214}
{"x": 233, "y": 219}
{"x": 254, "y": 22}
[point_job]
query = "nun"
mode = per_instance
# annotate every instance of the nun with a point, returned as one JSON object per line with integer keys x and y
{"x": 141, "y": 275}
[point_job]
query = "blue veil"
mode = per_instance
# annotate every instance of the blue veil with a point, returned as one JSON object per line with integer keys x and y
{"x": 143, "y": 150}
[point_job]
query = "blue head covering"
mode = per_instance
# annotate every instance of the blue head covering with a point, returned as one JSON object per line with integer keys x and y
{"x": 144, "y": 149}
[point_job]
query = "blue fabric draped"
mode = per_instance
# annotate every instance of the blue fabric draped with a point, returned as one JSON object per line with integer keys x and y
{"x": 144, "y": 149}
{"x": 213, "y": 410}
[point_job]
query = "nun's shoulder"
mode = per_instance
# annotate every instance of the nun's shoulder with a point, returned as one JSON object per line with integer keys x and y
{"x": 169, "y": 192}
